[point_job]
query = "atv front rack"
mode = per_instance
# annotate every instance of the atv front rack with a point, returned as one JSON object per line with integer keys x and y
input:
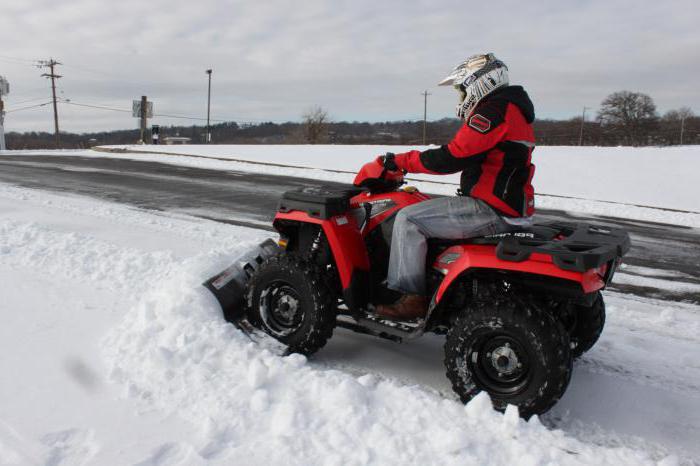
{"x": 572, "y": 246}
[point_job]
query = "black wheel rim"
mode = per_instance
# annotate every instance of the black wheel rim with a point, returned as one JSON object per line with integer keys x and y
{"x": 500, "y": 364}
{"x": 280, "y": 308}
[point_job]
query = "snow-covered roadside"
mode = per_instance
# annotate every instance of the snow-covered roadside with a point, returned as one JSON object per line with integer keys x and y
{"x": 591, "y": 180}
{"x": 652, "y": 176}
{"x": 172, "y": 383}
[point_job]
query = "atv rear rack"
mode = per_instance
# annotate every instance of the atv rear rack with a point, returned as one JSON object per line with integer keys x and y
{"x": 574, "y": 247}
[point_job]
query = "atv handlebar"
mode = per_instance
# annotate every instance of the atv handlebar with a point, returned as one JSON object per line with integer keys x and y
{"x": 380, "y": 175}
{"x": 389, "y": 161}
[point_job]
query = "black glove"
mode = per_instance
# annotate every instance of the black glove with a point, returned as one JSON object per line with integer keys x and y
{"x": 388, "y": 162}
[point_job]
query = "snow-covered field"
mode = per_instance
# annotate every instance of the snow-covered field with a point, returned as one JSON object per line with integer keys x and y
{"x": 653, "y": 184}
{"x": 113, "y": 354}
{"x": 656, "y": 184}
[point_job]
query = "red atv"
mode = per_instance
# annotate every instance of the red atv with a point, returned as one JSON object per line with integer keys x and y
{"x": 516, "y": 307}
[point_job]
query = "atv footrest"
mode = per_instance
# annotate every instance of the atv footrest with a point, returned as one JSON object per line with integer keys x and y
{"x": 389, "y": 329}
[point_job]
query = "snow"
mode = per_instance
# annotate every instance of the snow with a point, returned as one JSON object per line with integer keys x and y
{"x": 114, "y": 354}
{"x": 651, "y": 176}
{"x": 655, "y": 184}
{"x": 660, "y": 284}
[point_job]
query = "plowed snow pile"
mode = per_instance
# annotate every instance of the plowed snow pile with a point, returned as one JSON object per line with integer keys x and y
{"x": 174, "y": 351}
{"x": 114, "y": 354}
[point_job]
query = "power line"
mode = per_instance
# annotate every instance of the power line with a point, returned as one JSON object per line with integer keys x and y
{"x": 89, "y": 70}
{"x": 28, "y": 107}
{"x": 183, "y": 117}
{"x": 29, "y": 100}
{"x": 100, "y": 107}
{"x": 25, "y": 92}
{"x": 33, "y": 61}
{"x": 12, "y": 62}
{"x": 164, "y": 115}
{"x": 17, "y": 61}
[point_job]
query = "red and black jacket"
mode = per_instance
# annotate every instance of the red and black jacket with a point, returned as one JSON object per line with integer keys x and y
{"x": 493, "y": 151}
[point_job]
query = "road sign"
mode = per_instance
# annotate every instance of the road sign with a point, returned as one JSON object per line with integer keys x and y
{"x": 136, "y": 109}
{"x": 4, "y": 86}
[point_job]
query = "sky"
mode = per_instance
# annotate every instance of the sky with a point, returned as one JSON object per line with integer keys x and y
{"x": 360, "y": 60}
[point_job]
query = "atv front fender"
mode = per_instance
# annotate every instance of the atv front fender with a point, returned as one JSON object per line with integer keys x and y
{"x": 348, "y": 250}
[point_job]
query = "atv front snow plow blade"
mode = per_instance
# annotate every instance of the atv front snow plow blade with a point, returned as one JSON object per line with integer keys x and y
{"x": 228, "y": 286}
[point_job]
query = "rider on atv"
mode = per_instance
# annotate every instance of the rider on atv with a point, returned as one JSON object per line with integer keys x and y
{"x": 516, "y": 302}
{"x": 493, "y": 151}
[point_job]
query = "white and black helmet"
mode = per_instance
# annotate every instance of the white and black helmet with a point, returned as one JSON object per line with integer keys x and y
{"x": 475, "y": 78}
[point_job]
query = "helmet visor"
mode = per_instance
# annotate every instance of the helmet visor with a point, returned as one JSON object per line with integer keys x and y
{"x": 466, "y": 68}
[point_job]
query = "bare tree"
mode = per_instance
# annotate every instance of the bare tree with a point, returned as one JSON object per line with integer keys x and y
{"x": 682, "y": 113}
{"x": 674, "y": 125}
{"x": 630, "y": 114}
{"x": 315, "y": 121}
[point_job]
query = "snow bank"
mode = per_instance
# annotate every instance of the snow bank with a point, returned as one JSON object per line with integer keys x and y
{"x": 175, "y": 351}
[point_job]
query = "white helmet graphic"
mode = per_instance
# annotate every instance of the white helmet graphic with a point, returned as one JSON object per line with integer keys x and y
{"x": 475, "y": 78}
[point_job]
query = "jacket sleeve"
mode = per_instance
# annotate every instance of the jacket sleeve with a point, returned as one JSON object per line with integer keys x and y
{"x": 484, "y": 129}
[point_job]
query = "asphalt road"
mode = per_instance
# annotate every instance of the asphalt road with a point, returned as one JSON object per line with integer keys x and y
{"x": 667, "y": 252}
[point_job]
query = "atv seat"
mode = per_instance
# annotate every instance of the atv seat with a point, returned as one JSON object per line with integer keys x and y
{"x": 536, "y": 233}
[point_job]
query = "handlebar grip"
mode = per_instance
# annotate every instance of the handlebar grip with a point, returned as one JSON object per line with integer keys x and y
{"x": 390, "y": 162}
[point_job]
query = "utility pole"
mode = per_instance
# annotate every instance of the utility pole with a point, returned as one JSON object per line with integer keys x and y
{"x": 425, "y": 114}
{"x": 4, "y": 90}
{"x": 51, "y": 63}
{"x": 144, "y": 118}
{"x": 209, "y": 108}
{"x": 583, "y": 121}
{"x": 2, "y": 123}
{"x": 682, "y": 127}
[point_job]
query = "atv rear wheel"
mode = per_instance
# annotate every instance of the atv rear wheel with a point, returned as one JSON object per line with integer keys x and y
{"x": 288, "y": 298}
{"x": 511, "y": 349}
{"x": 588, "y": 325}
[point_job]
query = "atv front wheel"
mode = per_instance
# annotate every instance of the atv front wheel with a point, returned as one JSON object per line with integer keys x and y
{"x": 516, "y": 352}
{"x": 289, "y": 300}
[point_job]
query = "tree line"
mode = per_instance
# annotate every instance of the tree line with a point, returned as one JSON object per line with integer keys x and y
{"x": 624, "y": 118}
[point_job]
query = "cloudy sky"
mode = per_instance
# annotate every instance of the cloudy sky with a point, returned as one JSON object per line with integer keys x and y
{"x": 360, "y": 60}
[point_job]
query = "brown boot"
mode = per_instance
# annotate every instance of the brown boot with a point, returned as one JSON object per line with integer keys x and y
{"x": 408, "y": 307}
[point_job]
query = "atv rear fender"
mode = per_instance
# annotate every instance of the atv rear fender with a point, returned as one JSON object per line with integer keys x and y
{"x": 461, "y": 259}
{"x": 346, "y": 245}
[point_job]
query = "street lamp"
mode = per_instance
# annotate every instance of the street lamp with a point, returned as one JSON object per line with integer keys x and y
{"x": 209, "y": 107}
